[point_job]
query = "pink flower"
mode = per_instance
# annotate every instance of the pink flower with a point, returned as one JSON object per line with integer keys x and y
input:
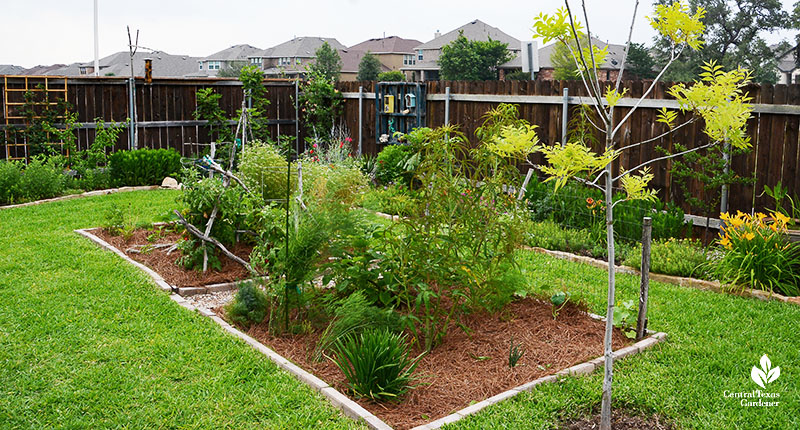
{"x": 348, "y": 140}
{"x": 315, "y": 145}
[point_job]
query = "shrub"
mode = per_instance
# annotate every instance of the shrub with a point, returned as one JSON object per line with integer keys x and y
{"x": 550, "y": 235}
{"x": 10, "y": 177}
{"x": 392, "y": 76}
{"x": 757, "y": 254}
{"x": 333, "y": 184}
{"x": 354, "y": 315}
{"x": 41, "y": 180}
{"x": 677, "y": 257}
{"x": 392, "y": 199}
{"x": 143, "y": 166}
{"x": 376, "y": 364}
{"x": 249, "y": 305}
{"x": 390, "y": 165}
{"x": 263, "y": 170}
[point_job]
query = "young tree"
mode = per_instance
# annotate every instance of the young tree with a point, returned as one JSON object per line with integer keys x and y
{"x": 734, "y": 37}
{"x": 717, "y": 98}
{"x": 472, "y": 60}
{"x": 328, "y": 63}
{"x": 564, "y": 67}
{"x": 369, "y": 68}
{"x": 392, "y": 76}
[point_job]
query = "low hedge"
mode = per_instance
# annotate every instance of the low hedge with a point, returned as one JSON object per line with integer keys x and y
{"x": 143, "y": 166}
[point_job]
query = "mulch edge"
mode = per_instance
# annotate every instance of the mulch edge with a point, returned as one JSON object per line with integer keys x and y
{"x": 699, "y": 284}
{"x": 349, "y": 407}
{"x": 86, "y": 194}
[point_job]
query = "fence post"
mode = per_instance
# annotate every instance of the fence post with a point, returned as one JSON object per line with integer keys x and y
{"x": 564, "y": 116}
{"x": 297, "y": 116}
{"x": 641, "y": 322}
{"x": 132, "y": 144}
{"x": 360, "y": 117}
{"x": 447, "y": 106}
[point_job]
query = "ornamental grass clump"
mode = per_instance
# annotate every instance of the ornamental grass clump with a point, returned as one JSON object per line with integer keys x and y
{"x": 758, "y": 254}
{"x": 376, "y": 364}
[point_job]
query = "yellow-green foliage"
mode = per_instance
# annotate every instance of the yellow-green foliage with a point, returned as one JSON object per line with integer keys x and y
{"x": 675, "y": 22}
{"x": 718, "y": 98}
{"x": 635, "y": 186}
{"x": 331, "y": 183}
{"x": 572, "y": 159}
{"x": 263, "y": 170}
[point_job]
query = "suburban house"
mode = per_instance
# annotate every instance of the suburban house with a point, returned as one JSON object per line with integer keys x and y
{"x": 606, "y": 71}
{"x": 118, "y": 64}
{"x": 789, "y": 66}
{"x": 230, "y": 58}
{"x": 291, "y": 58}
{"x": 10, "y": 69}
{"x": 393, "y": 52}
{"x": 425, "y": 65}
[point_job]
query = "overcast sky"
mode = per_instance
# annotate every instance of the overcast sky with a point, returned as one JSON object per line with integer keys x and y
{"x": 38, "y": 32}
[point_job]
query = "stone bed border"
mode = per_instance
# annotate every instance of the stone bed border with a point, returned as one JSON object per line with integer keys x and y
{"x": 668, "y": 279}
{"x": 86, "y": 194}
{"x": 349, "y": 407}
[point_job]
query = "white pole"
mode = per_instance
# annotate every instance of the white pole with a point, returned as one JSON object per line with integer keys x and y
{"x": 96, "y": 43}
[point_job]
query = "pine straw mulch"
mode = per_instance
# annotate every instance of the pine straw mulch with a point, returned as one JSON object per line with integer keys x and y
{"x": 470, "y": 368}
{"x": 164, "y": 264}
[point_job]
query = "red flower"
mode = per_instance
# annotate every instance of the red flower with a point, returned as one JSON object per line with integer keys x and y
{"x": 311, "y": 151}
{"x": 341, "y": 145}
{"x": 348, "y": 140}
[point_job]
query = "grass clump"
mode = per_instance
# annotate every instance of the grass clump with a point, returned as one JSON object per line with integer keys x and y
{"x": 676, "y": 257}
{"x": 376, "y": 364}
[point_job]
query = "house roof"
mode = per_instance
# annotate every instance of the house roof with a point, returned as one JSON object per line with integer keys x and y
{"x": 235, "y": 52}
{"x": 474, "y": 30}
{"x": 788, "y": 61}
{"x": 387, "y": 45}
{"x": 118, "y": 64}
{"x": 10, "y": 69}
{"x": 303, "y": 47}
{"x": 352, "y": 58}
{"x": 613, "y": 61}
{"x": 42, "y": 70}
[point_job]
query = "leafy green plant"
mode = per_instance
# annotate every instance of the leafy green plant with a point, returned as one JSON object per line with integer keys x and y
{"x": 757, "y": 254}
{"x": 625, "y": 315}
{"x": 252, "y": 78}
{"x": 208, "y": 109}
{"x": 390, "y": 166}
{"x": 558, "y": 300}
{"x": 249, "y": 305}
{"x": 10, "y": 178}
{"x": 119, "y": 221}
{"x": 41, "y": 180}
{"x": 394, "y": 199}
{"x": 676, "y": 257}
{"x": 376, "y": 364}
{"x": 143, "y": 166}
{"x": 320, "y": 103}
{"x": 263, "y": 170}
{"x": 515, "y": 353}
{"x": 353, "y": 315}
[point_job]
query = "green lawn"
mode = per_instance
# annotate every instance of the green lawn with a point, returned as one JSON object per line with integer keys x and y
{"x": 87, "y": 341}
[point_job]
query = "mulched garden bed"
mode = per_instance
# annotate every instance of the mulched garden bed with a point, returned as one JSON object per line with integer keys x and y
{"x": 469, "y": 368}
{"x": 164, "y": 264}
{"x": 464, "y": 369}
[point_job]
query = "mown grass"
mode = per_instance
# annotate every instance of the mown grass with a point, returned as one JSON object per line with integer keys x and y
{"x": 714, "y": 341}
{"x": 87, "y": 341}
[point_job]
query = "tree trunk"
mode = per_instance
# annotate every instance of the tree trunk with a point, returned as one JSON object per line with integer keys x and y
{"x": 605, "y": 413}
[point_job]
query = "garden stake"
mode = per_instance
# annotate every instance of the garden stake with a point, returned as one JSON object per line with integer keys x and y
{"x": 647, "y": 236}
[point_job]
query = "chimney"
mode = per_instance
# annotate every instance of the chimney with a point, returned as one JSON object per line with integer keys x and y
{"x": 437, "y": 34}
{"x": 148, "y": 70}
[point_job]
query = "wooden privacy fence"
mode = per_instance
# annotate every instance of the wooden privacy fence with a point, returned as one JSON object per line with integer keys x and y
{"x": 773, "y": 127}
{"x": 165, "y": 119}
{"x": 164, "y": 108}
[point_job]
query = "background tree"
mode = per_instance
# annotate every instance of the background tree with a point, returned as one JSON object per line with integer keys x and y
{"x": 472, "y": 60}
{"x": 734, "y": 37}
{"x": 640, "y": 63}
{"x": 328, "y": 63}
{"x": 392, "y": 76}
{"x": 369, "y": 68}
{"x": 233, "y": 70}
{"x": 564, "y": 66}
{"x": 717, "y": 99}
